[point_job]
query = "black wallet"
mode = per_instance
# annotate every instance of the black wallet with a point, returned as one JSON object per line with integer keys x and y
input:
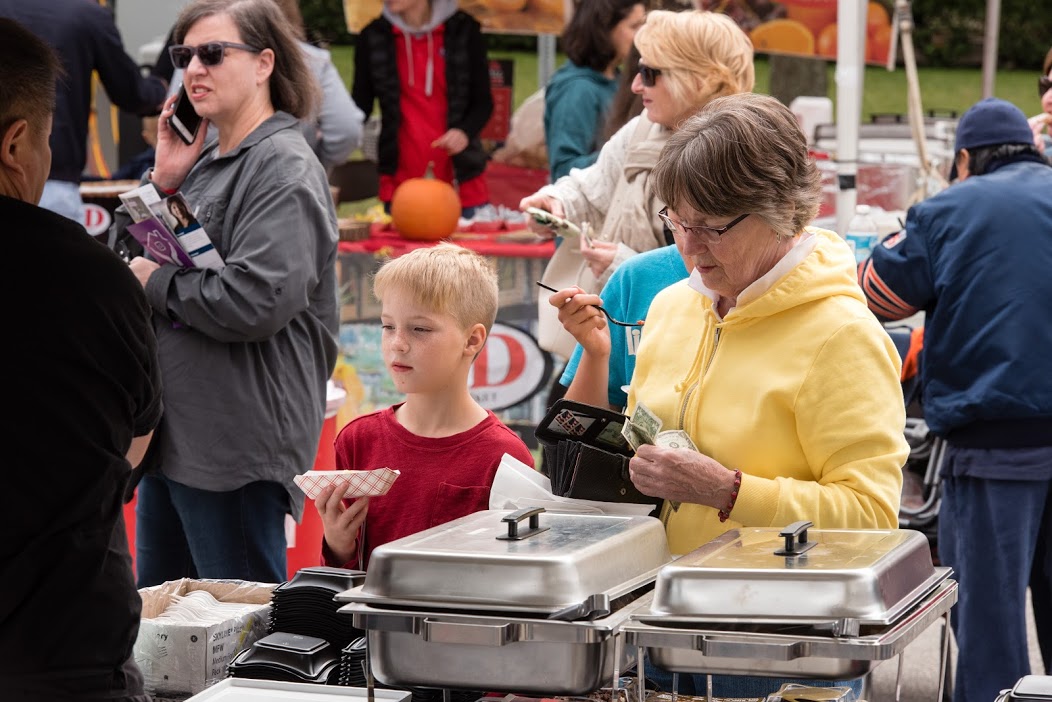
{"x": 588, "y": 455}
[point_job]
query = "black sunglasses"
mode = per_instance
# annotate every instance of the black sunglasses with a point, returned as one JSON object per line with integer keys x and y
{"x": 1043, "y": 84}
{"x": 211, "y": 54}
{"x": 712, "y": 234}
{"x": 648, "y": 75}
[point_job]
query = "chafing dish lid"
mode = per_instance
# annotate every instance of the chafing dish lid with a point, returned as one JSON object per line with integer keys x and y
{"x": 799, "y": 573}
{"x": 556, "y": 561}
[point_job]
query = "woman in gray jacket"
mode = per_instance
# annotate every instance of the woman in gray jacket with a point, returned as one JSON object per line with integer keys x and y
{"x": 246, "y": 350}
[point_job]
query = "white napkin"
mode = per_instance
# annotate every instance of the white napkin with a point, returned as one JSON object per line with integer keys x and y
{"x": 517, "y": 486}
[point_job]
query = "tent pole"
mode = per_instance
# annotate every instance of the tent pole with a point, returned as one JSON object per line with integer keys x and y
{"x": 990, "y": 38}
{"x": 850, "y": 71}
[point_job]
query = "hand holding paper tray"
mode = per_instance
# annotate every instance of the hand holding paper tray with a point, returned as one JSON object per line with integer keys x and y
{"x": 360, "y": 483}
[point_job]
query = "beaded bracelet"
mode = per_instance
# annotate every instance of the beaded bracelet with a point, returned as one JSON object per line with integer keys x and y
{"x": 725, "y": 513}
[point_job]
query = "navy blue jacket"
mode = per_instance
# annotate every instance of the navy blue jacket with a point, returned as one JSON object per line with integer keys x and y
{"x": 977, "y": 258}
{"x": 86, "y": 39}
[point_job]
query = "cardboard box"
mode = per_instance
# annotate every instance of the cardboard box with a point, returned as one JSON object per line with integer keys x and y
{"x": 183, "y": 658}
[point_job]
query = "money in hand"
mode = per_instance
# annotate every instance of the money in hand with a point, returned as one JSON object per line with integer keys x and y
{"x": 674, "y": 438}
{"x": 646, "y": 423}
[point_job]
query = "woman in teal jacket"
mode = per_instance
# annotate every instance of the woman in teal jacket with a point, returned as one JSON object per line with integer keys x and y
{"x": 596, "y": 42}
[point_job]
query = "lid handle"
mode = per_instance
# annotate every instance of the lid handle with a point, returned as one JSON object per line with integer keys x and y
{"x": 795, "y": 546}
{"x": 513, "y": 519}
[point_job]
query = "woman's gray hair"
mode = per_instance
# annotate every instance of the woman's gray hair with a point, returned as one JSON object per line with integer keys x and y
{"x": 741, "y": 153}
{"x": 261, "y": 23}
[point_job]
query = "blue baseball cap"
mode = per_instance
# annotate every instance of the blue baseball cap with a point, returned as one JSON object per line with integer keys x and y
{"x": 988, "y": 122}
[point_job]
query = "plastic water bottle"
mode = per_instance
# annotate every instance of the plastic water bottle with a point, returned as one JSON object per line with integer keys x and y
{"x": 862, "y": 233}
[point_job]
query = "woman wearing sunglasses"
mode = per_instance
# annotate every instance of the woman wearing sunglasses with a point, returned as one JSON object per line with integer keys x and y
{"x": 1041, "y": 123}
{"x": 246, "y": 351}
{"x": 686, "y": 59}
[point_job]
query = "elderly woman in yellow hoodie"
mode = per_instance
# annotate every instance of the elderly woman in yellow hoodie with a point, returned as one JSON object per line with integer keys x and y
{"x": 767, "y": 355}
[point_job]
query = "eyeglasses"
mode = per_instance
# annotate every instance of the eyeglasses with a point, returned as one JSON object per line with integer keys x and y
{"x": 648, "y": 75}
{"x": 712, "y": 234}
{"x": 1043, "y": 84}
{"x": 211, "y": 54}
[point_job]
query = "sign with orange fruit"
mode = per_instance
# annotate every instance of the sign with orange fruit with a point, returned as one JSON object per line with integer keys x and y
{"x": 499, "y": 16}
{"x": 805, "y": 27}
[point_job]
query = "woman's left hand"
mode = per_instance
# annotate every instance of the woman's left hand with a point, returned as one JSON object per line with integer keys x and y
{"x": 143, "y": 268}
{"x": 453, "y": 141}
{"x": 681, "y": 475}
{"x": 174, "y": 159}
{"x": 599, "y": 255}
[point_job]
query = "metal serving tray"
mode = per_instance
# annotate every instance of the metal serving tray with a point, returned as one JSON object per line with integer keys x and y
{"x": 774, "y": 651}
{"x": 479, "y": 652}
{"x": 798, "y": 575}
{"x": 247, "y": 690}
{"x": 492, "y": 560}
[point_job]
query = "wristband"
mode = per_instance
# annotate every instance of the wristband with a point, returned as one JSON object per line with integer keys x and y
{"x": 725, "y": 513}
{"x": 166, "y": 191}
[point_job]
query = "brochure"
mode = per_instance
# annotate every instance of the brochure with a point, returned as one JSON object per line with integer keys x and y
{"x": 167, "y": 228}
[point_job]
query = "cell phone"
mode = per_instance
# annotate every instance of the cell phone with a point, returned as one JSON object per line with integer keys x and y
{"x": 559, "y": 225}
{"x": 185, "y": 120}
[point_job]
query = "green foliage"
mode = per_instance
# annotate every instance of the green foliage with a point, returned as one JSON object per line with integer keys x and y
{"x": 325, "y": 21}
{"x": 950, "y": 34}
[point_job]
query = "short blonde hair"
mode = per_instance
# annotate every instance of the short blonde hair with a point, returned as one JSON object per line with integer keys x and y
{"x": 446, "y": 278}
{"x": 702, "y": 55}
{"x": 741, "y": 153}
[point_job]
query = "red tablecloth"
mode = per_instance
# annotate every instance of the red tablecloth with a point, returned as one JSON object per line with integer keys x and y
{"x": 388, "y": 241}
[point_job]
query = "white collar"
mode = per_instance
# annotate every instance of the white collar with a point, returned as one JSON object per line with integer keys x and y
{"x": 803, "y": 245}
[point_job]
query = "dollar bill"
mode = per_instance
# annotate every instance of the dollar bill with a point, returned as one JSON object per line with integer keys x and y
{"x": 632, "y": 435}
{"x": 646, "y": 422}
{"x": 674, "y": 438}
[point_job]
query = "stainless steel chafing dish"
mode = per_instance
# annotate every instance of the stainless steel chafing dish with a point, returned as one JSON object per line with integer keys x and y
{"x": 798, "y": 602}
{"x": 486, "y": 602}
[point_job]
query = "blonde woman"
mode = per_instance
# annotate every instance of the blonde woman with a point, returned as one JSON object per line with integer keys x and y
{"x": 687, "y": 59}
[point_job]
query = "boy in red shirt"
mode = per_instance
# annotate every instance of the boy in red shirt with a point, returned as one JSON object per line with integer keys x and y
{"x": 437, "y": 307}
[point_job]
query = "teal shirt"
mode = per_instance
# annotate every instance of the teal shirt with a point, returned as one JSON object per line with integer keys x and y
{"x": 575, "y": 104}
{"x": 627, "y": 296}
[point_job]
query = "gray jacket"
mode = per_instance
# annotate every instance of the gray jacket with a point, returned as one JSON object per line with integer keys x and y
{"x": 246, "y": 352}
{"x": 336, "y": 130}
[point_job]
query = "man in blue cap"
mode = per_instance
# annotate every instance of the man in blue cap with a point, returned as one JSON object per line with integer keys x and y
{"x": 977, "y": 259}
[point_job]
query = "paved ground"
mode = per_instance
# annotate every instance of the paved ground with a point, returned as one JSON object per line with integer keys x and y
{"x": 920, "y": 674}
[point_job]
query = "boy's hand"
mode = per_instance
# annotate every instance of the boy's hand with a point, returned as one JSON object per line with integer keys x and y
{"x": 341, "y": 520}
{"x": 453, "y": 142}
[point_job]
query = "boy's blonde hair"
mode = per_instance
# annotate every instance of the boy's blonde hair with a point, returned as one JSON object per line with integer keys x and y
{"x": 446, "y": 278}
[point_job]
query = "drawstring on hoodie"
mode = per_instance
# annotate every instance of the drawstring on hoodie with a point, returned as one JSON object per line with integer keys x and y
{"x": 441, "y": 10}
{"x": 429, "y": 76}
{"x": 429, "y": 71}
{"x": 429, "y": 79}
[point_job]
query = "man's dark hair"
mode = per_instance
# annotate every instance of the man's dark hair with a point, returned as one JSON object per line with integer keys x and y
{"x": 29, "y": 69}
{"x": 981, "y": 159}
{"x": 586, "y": 39}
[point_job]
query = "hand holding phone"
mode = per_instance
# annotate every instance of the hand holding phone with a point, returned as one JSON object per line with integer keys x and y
{"x": 184, "y": 121}
{"x": 560, "y": 226}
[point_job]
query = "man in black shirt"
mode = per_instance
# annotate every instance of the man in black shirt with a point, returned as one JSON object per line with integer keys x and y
{"x": 86, "y": 38}
{"x": 82, "y": 385}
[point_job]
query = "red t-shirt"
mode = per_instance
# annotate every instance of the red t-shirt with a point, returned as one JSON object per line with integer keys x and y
{"x": 441, "y": 479}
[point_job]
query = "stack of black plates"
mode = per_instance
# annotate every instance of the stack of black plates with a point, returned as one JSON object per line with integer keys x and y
{"x": 352, "y": 664}
{"x": 306, "y": 605}
{"x": 288, "y": 658}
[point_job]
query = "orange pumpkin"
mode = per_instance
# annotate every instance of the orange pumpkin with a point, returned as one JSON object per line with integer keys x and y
{"x": 425, "y": 209}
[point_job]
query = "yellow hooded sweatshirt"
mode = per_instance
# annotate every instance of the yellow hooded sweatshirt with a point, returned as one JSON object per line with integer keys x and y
{"x": 798, "y": 387}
